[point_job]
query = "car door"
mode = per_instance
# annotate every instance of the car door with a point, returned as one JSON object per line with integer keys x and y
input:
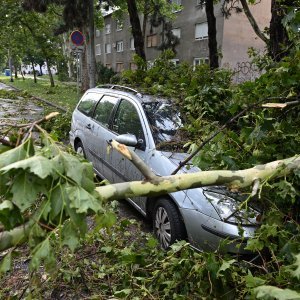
{"x": 128, "y": 119}
{"x": 101, "y": 133}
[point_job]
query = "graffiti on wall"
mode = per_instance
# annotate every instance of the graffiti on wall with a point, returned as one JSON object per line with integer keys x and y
{"x": 245, "y": 71}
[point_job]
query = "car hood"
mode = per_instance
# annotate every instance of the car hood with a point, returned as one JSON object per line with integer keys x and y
{"x": 176, "y": 158}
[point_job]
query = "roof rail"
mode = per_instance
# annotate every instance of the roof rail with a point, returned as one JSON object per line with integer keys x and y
{"x": 116, "y": 86}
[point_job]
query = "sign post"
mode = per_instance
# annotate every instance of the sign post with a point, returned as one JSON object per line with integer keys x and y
{"x": 77, "y": 38}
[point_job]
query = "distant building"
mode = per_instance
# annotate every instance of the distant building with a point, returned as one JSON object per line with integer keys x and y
{"x": 115, "y": 47}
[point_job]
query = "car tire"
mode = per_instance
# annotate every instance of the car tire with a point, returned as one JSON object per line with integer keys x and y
{"x": 79, "y": 149}
{"x": 168, "y": 226}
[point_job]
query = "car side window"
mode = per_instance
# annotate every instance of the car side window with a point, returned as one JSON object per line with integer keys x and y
{"x": 88, "y": 102}
{"x": 127, "y": 120}
{"x": 104, "y": 108}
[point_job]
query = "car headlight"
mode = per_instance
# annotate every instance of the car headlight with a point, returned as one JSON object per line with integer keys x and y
{"x": 229, "y": 211}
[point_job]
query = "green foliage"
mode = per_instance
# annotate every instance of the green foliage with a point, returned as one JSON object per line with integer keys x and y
{"x": 104, "y": 74}
{"x": 51, "y": 187}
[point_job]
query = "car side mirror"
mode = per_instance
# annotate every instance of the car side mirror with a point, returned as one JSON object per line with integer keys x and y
{"x": 127, "y": 139}
{"x": 130, "y": 140}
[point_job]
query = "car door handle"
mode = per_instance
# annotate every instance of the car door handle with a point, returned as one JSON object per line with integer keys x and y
{"x": 88, "y": 126}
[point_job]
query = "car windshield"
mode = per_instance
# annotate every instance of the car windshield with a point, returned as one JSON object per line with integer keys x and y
{"x": 166, "y": 124}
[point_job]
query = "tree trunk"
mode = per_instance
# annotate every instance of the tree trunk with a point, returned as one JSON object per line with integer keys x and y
{"x": 136, "y": 29}
{"x": 168, "y": 184}
{"x": 212, "y": 35}
{"x": 252, "y": 21}
{"x": 50, "y": 73}
{"x": 34, "y": 73}
{"x": 279, "y": 40}
{"x": 91, "y": 46}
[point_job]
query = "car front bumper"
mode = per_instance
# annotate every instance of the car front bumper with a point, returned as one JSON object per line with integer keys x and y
{"x": 208, "y": 234}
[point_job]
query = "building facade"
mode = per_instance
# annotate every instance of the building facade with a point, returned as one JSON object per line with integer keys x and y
{"x": 115, "y": 45}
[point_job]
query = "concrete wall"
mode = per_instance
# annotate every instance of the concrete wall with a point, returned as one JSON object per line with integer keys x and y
{"x": 238, "y": 35}
{"x": 190, "y": 48}
{"x": 234, "y": 36}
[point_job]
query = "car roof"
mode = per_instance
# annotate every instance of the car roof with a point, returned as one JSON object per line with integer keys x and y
{"x": 127, "y": 91}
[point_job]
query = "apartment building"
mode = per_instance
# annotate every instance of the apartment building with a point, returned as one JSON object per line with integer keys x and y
{"x": 115, "y": 44}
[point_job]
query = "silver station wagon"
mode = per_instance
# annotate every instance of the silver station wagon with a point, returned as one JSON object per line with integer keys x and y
{"x": 151, "y": 126}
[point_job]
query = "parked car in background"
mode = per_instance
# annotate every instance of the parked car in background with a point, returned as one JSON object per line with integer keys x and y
{"x": 151, "y": 126}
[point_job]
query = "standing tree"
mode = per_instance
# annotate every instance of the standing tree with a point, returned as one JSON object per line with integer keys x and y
{"x": 278, "y": 42}
{"x": 212, "y": 35}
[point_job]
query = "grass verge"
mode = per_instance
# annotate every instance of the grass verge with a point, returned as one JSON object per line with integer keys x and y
{"x": 63, "y": 94}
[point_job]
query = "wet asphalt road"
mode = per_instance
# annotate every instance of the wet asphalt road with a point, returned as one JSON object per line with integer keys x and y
{"x": 16, "y": 110}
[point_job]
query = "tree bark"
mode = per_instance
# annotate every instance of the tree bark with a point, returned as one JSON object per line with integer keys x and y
{"x": 50, "y": 73}
{"x": 279, "y": 40}
{"x": 168, "y": 184}
{"x": 252, "y": 21}
{"x": 91, "y": 46}
{"x": 212, "y": 35}
{"x": 136, "y": 29}
{"x": 34, "y": 73}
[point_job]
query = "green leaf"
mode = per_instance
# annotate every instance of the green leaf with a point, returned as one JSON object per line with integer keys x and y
{"x": 267, "y": 292}
{"x": 70, "y": 236}
{"x": 81, "y": 200}
{"x": 43, "y": 252}
{"x": 10, "y": 215}
{"x": 296, "y": 272}
{"x": 225, "y": 265}
{"x": 58, "y": 199}
{"x": 81, "y": 172}
{"x": 106, "y": 220}
{"x": 38, "y": 165}
{"x": 123, "y": 293}
{"x": 25, "y": 189}
{"x": 254, "y": 245}
{"x": 4, "y": 148}
{"x": 23, "y": 151}
{"x": 5, "y": 264}
{"x": 36, "y": 235}
{"x": 252, "y": 282}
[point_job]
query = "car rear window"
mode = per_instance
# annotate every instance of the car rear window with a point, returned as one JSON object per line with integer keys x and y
{"x": 88, "y": 102}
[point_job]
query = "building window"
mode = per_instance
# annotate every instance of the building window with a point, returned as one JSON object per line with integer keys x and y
{"x": 107, "y": 28}
{"x": 132, "y": 44}
{"x": 119, "y": 25}
{"x": 97, "y": 33}
{"x": 120, "y": 46}
{"x": 175, "y": 61}
{"x": 152, "y": 40}
{"x": 201, "y": 31}
{"x": 98, "y": 49}
{"x": 119, "y": 67}
{"x": 177, "y": 32}
{"x": 200, "y": 61}
{"x": 107, "y": 48}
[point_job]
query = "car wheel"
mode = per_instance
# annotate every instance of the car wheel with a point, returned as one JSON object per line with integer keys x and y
{"x": 79, "y": 148}
{"x": 168, "y": 226}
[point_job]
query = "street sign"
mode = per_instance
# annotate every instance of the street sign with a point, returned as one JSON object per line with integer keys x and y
{"x": 77, "y": 38}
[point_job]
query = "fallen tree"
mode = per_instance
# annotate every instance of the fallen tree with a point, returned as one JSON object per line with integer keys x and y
{"x": 76, "y": 196}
